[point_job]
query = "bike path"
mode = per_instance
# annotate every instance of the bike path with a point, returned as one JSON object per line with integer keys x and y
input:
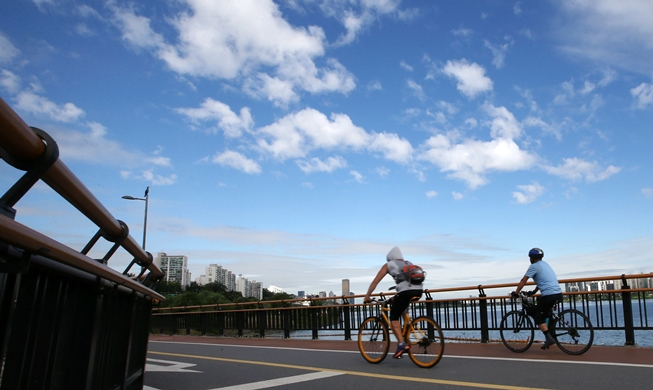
{"x": 627, "y": 355}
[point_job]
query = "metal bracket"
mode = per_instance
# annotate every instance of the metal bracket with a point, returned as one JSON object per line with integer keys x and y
{"x": 624, "y": 285}
{"x": 428, "y": 296}
{"x": 116, "y": 240}
{"x": 35, "y": 169}
{"x": 481, "y": 291}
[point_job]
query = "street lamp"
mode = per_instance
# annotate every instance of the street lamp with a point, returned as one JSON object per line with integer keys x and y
{"x": 147, "y": 191}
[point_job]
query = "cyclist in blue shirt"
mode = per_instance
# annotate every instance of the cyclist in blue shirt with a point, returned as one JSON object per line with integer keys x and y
{"x": 547, "y": 282}
{"x": 405, "y": 292}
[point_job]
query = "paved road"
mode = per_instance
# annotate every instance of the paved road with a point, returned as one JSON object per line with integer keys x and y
{"x": 205, "y": 363}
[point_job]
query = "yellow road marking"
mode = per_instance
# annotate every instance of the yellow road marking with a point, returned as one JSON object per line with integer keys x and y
{"x": 356, "y": 373}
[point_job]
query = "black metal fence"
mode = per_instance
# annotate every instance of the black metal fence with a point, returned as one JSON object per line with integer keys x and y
{"x": 67, "y": 321}
{"x": 473, "y": 319}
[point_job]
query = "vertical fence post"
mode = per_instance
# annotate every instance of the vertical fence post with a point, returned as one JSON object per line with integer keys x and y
{"x": 626, "y": 299}
{"x": 346, "y": 317}
{"x": 262, "y": 319}
{"x": 286, "y": 321}
{"x": 429, "y": 306}
{"x": 314, "y": 322}
{"x": 482, "y": 304}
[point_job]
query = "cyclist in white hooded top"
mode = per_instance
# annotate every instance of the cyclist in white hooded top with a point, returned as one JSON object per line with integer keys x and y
{"x": 405, "y": 292}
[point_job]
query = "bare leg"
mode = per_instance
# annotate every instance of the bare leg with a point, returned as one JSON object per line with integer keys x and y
{"x": 396, "y": 329}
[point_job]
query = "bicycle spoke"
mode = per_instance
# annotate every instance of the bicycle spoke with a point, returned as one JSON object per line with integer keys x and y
{"x": 426, "y": 342}
{"x": 517, "y": 331}
{"x": 373, "y": 340}
{"x": 573, "y": 332}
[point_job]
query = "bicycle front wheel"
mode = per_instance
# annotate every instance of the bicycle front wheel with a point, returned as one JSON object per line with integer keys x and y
{"x": 373, "y": 339}
{"x": 426, "y": 342}
{"x": 517, "y": 331}
{"x": 573, "y": 332}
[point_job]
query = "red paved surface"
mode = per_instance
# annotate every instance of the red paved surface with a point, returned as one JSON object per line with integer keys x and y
{"x": 632, "y": 355}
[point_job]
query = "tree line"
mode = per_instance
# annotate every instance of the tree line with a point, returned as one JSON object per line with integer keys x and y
{"x": 208, "y": 294}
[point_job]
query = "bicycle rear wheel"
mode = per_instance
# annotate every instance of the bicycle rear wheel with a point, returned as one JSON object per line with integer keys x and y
{"x": 373, "y": 339}
{"x": 573, "y": 332}
{"x": 426, "y": 342}
{"x": 517, "y": 331}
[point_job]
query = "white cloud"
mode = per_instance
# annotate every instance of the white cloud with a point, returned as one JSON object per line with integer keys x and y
{"x": 457, "y": 195}
{"x": 374, "y": 85}
{"x": 405, "y": 66}
{"x": 643, "y": 95}
{"x": 39, "y": 105}
{"x": 296, "y": 134}
{"x": 382, "y": 171}
{"x": 391, "y": 147}
{"x": 417, "y": 89}
{"x": 471, "y": 160}
{"x": 218, "y": 40}
{"x": 647, "y": 192}
{"x": 614, "y": 32}
{"x": 228, "y": 121}
{"x": 7, "y": 50}
{"x": 158, "y": 179}
{"x": 357, "y": 16}
{"x": 578, "y": 169}
{"x": 237, "y": 161}
{"x": 96, "y": 147}
{"x": 431, "y": 194}
{"x": 9, "y": 81}
{"x": 462, "y": 32}
{"x": 528, "y": 193}
{"x": 470, "y": 77}
{"x": 317, "y": 165}
{"x": 357, "y": 176}
{"x": 499, "y": 52}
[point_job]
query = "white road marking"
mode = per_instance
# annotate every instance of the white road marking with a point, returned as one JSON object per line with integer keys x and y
{"x": 169, "y": 366}
{"x": 281, "y": 381}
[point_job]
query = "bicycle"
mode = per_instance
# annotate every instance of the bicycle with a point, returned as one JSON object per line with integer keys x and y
{"x": 423, "y": 335}
{"x": 571, "y": 329}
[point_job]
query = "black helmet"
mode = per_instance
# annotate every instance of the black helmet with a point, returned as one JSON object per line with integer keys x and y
{"x": 536, "y": 253}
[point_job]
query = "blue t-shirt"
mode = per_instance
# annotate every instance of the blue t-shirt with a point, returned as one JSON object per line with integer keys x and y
{"x": 544, "y": 277}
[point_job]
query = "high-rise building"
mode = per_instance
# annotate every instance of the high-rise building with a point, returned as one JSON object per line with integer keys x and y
{"x": 174, "y": 267}
{"x": 345, "y": 287}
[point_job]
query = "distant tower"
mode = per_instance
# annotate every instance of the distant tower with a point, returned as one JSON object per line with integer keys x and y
{"x": 345, "y": 287}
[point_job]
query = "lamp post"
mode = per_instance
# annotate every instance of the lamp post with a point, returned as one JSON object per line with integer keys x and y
{"x": 147, "y": 191}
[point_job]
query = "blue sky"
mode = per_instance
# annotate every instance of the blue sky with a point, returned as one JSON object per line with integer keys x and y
{"x": 297, "y": 142}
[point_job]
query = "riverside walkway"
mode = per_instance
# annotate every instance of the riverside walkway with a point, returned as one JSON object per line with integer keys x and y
{"x": 202, "y": 363}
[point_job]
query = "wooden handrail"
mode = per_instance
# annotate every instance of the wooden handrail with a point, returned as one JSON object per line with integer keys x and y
{"x": 23, "y": 145}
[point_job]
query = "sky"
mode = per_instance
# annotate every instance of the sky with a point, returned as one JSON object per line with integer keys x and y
{"x": 297, "y": 142}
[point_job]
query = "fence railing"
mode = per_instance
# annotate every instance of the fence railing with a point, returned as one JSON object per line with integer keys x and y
{"x": 67, "y": 321}
{"x": 623, "y": 311}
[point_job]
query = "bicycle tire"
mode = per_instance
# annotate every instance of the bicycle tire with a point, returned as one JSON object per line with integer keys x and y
{"x": 573, "y": 332}
{"x": 426, "y": 342}
{"x": 517, "y": 331}
{"x": 373, "y": 339}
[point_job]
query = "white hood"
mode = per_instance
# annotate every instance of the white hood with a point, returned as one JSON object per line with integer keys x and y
{"x": 394, "y": 254}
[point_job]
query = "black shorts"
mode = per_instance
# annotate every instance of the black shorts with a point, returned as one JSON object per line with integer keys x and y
{"x": 543, "y": 307}
{"x": 401, "y": 301}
